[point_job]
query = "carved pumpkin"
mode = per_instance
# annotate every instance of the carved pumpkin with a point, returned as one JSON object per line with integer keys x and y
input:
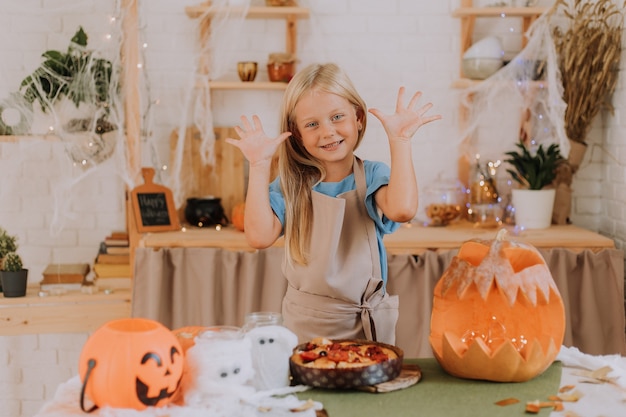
{"x": 130, "y": 363}
{"x": 497, "y": 313}
{"x": 237, "y": 216}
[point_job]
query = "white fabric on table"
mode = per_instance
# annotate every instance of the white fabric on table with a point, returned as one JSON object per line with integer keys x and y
{"x": 598, "y": 399}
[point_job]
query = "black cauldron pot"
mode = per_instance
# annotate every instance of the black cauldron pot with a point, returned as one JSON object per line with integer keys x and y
{"x": 205, "y": 212}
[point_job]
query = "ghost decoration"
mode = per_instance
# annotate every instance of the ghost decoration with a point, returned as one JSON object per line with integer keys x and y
{"x": 219, "y": 369}
{"x": 272, "y": 345}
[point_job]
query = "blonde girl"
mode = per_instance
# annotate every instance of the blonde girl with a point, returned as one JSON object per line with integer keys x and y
{"x": 332, "y": 207}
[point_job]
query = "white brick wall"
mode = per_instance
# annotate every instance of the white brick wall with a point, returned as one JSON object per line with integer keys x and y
{"x": 33, "y": 366}
{"x": 381, "y": 44}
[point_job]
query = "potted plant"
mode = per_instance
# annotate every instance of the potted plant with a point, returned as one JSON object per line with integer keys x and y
{"x": 8, "y": 244}
{"x": 13, "y": 275}
{"x": 535, "y": 173}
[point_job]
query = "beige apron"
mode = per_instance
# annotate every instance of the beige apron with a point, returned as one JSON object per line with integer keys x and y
{"x": 340, "y": 295}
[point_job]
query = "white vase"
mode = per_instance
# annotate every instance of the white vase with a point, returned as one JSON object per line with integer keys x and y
{"x": 533, "y": 208}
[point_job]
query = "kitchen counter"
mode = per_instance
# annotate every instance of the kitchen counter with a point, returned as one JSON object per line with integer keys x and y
{"x": 409, "y": 239}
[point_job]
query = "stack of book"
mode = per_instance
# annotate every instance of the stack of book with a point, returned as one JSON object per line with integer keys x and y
{"x": 112, "y": 265}
{"x": 64, "y": 276}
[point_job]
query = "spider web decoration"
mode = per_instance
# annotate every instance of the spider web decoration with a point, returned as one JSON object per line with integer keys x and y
{"x": 65, "y": 97}
{"x": 72, "y": 94}
{"x": 522, "y": 101}
{"x": 217, "y": 42}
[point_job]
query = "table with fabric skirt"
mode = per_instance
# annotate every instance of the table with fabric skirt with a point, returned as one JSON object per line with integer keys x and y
{"x": 203, "y": 276}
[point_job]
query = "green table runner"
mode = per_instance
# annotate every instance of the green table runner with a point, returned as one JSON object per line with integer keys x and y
{"x": 439, "y": 394}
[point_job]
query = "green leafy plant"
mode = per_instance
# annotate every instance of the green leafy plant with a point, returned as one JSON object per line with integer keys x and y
{"x": 76, "y": 74}
{"x": 8, "y": 243}
{"x": 534, "y": 171}
{"x": 12, "y": 262}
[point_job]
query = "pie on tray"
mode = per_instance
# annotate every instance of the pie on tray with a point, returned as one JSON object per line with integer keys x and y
{"x": 344, "y": 363}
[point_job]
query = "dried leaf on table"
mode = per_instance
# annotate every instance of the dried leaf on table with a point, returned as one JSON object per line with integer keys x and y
{"x": 507, "y": 401}
{"x": 535, "y": 406}
{"x": 573, "y": 397}
{"x": 304, "y": 406}
{"x": 597, "y": 376}
{"x": 566, "y": 388}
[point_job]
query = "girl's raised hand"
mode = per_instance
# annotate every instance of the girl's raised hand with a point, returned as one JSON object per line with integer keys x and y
{"x": 406, "y": 120}
{"x": 255, "y": 145}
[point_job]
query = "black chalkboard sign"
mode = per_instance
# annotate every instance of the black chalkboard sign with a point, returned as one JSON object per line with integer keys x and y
{"x": 153, "y": 206}
{"x": 153, "y": 209}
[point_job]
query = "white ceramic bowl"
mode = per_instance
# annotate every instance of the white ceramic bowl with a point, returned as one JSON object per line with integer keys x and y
{"x": 489, "y": 47}
{"x": 480, "y": 68}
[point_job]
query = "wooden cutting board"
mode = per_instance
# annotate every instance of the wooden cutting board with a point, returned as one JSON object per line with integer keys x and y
{"x": 225, "y": 178}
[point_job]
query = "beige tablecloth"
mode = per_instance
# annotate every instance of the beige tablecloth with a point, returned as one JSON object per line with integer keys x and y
{"x": 211, "y": 286}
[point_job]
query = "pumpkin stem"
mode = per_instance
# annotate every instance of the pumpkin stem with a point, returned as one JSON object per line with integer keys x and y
{"x": 501, "y": 234}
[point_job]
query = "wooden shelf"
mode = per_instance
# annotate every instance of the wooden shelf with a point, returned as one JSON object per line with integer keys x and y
{"x": 499, "y": 11}
{"x": 463, "y": 83}
{"x": 254, "y": 85}
{"x": 13, "y": 138}
{"x": 253, "y": 12}
{"x": 73, "y": 312}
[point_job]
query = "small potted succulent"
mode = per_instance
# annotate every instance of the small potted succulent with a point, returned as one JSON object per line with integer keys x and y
{"x": 534, "y": 172}
{"x": 13, "y": 275}
{"x": 8, "y": 244}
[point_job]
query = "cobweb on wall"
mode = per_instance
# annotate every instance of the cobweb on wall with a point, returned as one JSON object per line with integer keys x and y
{"x": 216, "y": 42}
{"x": 61, "y": 85}
{"x": 521, "y": 102}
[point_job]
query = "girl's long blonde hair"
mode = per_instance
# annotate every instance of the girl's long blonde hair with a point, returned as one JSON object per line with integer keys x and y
{"x": 299, "y": 171}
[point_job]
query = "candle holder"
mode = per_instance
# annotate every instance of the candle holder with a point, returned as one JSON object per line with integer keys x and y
{"x": 247, "y": 70}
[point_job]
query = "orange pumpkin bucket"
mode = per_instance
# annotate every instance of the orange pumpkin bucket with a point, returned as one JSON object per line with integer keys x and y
{"x": 497, "y": 313}
{"x": 130, "y": 363}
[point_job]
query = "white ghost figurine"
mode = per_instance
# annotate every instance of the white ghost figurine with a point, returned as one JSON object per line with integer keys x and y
{"x": 219, "y": 367}
{"x": 272, "y": 345}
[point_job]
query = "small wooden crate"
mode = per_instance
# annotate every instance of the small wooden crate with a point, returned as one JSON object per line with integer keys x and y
{"x": 65, "y": 273}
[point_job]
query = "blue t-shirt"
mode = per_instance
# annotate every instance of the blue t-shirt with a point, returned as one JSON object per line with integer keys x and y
{"x": 376, "y": 175}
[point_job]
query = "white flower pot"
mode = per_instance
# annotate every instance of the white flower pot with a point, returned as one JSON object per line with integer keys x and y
{"x": 533, "y": 208}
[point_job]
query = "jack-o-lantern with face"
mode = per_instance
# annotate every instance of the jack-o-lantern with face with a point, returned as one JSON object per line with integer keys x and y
{"x": 130, "y": 363}
{"x": 497, "y": 313}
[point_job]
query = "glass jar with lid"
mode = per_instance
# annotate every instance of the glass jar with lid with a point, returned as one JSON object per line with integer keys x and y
{"x": 443, "y": 203}
{"x": 484, "y": 207}
{"x": 272, "y": 345}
